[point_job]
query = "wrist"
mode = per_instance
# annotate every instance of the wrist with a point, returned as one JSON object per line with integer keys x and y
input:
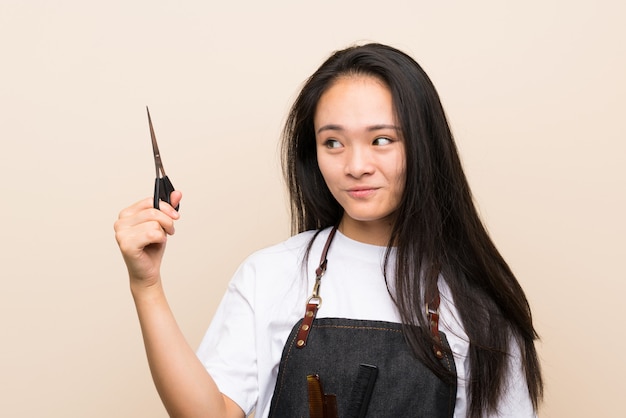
{"x": 142, "y": 291}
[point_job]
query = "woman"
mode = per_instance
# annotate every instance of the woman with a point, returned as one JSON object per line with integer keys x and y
{"x": 421, "y": 316}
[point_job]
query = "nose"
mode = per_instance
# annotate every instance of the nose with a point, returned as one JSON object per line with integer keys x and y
{"x": 359, "y": 162}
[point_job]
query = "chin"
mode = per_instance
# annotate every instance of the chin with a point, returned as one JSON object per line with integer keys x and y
{"x": 365, "y": 218}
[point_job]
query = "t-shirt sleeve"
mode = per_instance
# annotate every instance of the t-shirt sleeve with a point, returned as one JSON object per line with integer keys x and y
{"x": 515, "y": 401}
{"x": 228, "y": 347}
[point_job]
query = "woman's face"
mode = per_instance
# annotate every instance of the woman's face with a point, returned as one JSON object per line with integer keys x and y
{"x": 360, "y": 152}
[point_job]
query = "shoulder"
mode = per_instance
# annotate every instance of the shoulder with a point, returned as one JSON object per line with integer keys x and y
{"x": 292, "y": 248}
{"x": 277, "y": 263}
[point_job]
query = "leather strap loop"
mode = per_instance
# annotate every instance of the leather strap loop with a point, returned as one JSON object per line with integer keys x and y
{"x": 305, "y": 326}
{"x": 432, "y": 312}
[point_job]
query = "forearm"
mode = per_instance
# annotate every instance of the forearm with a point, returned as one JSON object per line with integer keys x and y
{"x": 184, "y": 385}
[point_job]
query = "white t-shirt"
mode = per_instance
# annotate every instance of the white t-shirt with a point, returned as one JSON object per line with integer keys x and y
{"x": 267, "y": 296}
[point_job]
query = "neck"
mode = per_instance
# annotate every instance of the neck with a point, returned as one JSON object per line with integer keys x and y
{"x": 372, "y": 232}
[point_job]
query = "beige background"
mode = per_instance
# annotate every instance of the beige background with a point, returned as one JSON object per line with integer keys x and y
{"x": 535, "y": 92}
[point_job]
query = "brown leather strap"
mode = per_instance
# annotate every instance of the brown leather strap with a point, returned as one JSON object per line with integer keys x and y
{"x": 432, "y": 311}
{"x": 319, "y": 272}
{"x": 305, "y": 326}
{"x": 315, "y": 301}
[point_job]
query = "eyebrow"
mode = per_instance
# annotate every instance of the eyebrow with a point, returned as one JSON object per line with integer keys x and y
{"x": 378, "y": 127}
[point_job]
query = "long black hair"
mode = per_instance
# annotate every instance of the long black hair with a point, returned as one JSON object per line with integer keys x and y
{"x": 436, "y": 231}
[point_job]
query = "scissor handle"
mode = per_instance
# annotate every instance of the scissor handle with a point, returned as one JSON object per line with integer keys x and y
{"x": 162, "y": 189}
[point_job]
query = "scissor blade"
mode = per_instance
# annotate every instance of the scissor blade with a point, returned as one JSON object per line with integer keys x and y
{"x": 155, "y": 148}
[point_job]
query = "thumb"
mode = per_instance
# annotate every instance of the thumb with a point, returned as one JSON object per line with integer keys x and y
{"x": 175, "y": 198}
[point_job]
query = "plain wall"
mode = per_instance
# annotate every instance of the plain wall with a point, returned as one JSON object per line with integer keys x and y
{"x": 535, "y": 93}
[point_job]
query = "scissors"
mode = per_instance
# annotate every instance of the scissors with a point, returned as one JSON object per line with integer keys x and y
{"x": 162, "y": 185}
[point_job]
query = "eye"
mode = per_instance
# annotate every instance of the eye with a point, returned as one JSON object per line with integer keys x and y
{"x": 382, "y": 140}
{"x": 332, "y": 143}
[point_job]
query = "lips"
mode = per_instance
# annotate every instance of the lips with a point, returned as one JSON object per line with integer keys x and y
{"x": 362, "y": 192}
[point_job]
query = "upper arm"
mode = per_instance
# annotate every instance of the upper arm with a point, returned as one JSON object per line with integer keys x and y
{"x": 515, "y": 400}
{"x": 232, "y": 409}
{"x": 227, "y": 350}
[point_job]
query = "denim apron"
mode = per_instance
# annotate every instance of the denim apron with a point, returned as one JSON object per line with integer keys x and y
{"x": 347, "y": 368}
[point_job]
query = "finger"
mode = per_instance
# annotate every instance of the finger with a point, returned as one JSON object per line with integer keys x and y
{"x": 175, "y": 197}
{"x": 168, "y": 208}
{"x": 132, "y": 241}
{"x": 135, "y": 208}
{"x": 147, "y": 215}
{"x": 163, "y": 219}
